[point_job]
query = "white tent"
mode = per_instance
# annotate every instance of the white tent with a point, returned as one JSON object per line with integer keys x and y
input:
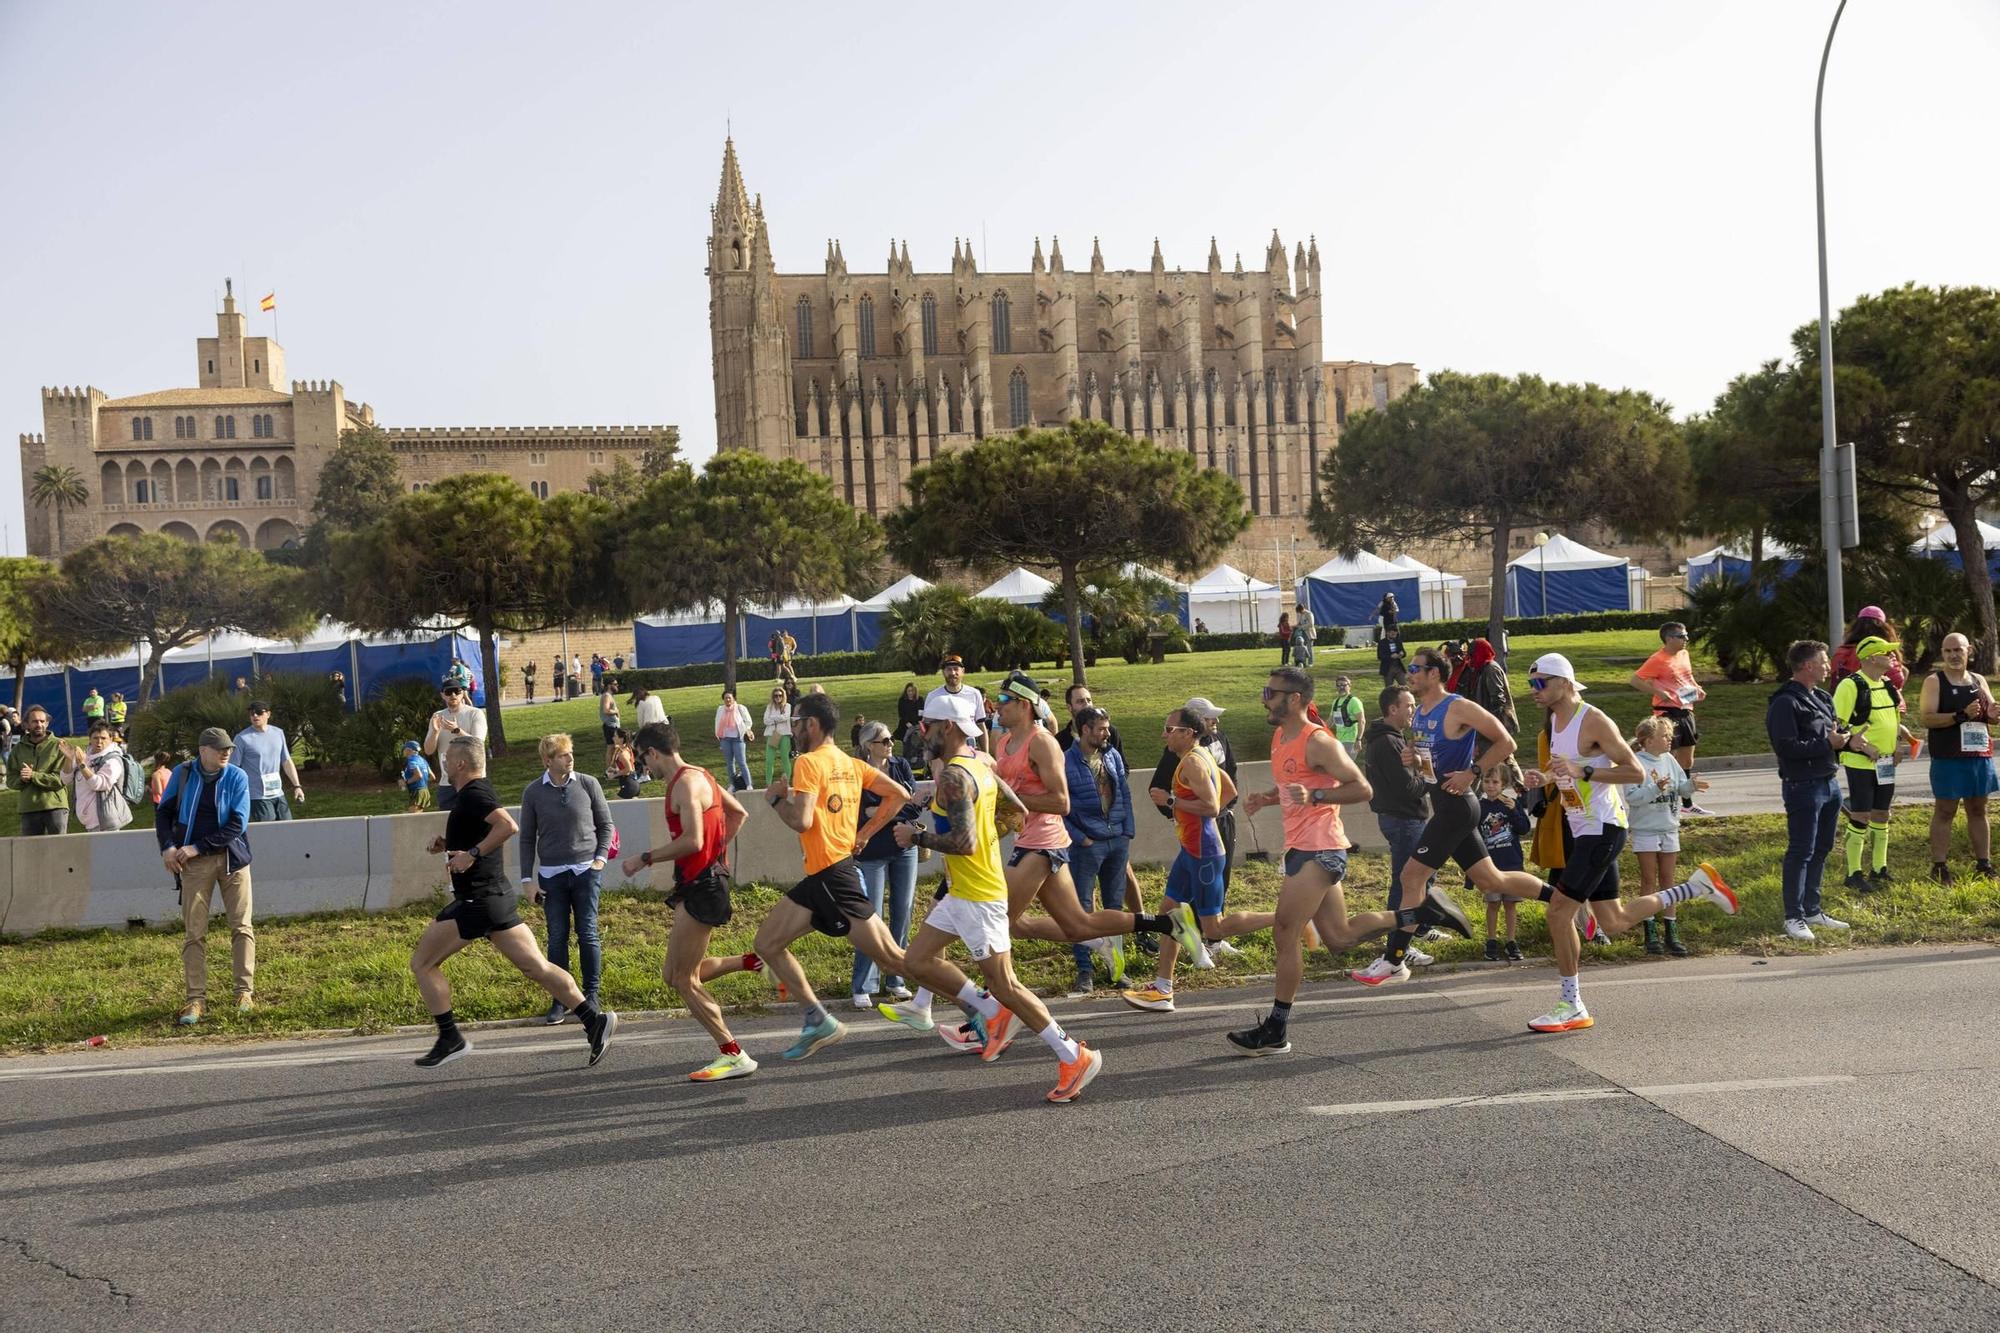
{"x": 1229, "y": 601}
{"x": 1567, "y": 578}
{"x": 1022, "y": 587}
{"x": 1944, "y": 537}
{"x": 907, "y": 586}
{"x": 1346, "y": 591}
{"x": 1442, "y": 594}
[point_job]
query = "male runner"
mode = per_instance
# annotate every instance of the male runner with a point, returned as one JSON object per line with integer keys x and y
{"x": 702, "y": 820}
{"x": 1315, "y": 776}
{"x": 975, "y": 910}
{"x": 483, "y": 905}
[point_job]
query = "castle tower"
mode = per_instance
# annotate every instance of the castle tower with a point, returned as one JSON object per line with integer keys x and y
{"x": 747, "y": 337}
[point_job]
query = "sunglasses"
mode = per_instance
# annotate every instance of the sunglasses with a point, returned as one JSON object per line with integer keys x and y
{"x": 1177, "y": 727}
{"x": 1270, "y": 693}
{"x": 1006, "y": 698}
{"x": 1537, "y": 683}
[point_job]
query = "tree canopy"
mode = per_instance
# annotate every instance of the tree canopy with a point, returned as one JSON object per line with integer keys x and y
{"x": 359, "y": 482}
{"x": 59, "y": 488}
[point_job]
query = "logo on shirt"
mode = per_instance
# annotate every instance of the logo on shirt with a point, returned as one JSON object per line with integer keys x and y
{"x": 834, "y": 802}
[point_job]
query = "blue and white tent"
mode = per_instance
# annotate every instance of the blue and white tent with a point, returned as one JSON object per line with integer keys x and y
{"x": 1443, "y": 593}
{"x": 1022, "y": 587}
{"x": 868, "y": 614}
{"x": 1941, "y": 543}
{"x": 1231, "y": 602}
{"x": 687, "y": 637}
{"x": 1346, "y": 592}
{"x": 1566, "y": 578}
{"x": 1733, "y": 562}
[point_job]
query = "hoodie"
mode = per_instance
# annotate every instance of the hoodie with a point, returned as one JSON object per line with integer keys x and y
{"x": 1800, "y": 724}
{"x": 1399, "y": 792}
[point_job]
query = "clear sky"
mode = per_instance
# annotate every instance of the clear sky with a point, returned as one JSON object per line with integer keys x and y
{"x": 495, "y": 212}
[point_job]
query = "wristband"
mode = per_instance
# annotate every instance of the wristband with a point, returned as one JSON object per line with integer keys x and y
{"x": 645, "y": 858}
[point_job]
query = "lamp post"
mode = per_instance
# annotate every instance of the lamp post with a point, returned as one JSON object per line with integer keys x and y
{"x": 1542, "y": 558}
{"x": 1833, "y": 469}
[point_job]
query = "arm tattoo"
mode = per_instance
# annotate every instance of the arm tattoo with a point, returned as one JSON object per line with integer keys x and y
{"x": 960, "y": 807}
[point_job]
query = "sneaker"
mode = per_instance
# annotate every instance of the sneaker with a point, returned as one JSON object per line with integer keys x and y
{"x": 1984, "y": 868}
{"x": 444, "y": 1052}
{"x": 190, "y": 1014}
{"x": 1492, "y": 949}
{"x": 1718, "y": 889}
{"x": 911, "y": 1017}
{"x": 1001, "y": 1029}
{"x": 1081, "y": 988}
{"x": 899, "y": 993}
{"x": 1565, "y": 1017}
{"x": 1415, "y": 957}
{"x": 1112, "y": 950}
{"x": 863, "y": 1001}
{"x": 1514, "y": 954}
{"x": 1073, "y": 1076}
{"x": 245, "y": 1003}
{"x": 967, "y": 1038}
{"x": 1798, "y": 930}
{"x": 1148, "y": 944}
{"x": 1674, "y": 945}
{"x": 1187, "y": 934}
{"x": 1879, "y": 878}
{"x": 1696, "y": 809}
{"x": 1264, "y": 1039}
{"x": 1434, "y": 935}
{"x": 1653, "y": 936}
{"x": 823, "y": 1033}
{"x": 1149, "y": 997}
{"x": 1940, "y": 873}
{"x": 1380, "y": 972}
{"x": 1589, "y": 930}
{"x": 556, "y": 1014}
{"x": 739, "y": 1065}
{"x": 1224, "y": 949}
{"x": 600, "y": 1033}
{"x": 1858, "y": 883}
{"x": 1438, "y": 909}
{"x": 1825, "y": 922}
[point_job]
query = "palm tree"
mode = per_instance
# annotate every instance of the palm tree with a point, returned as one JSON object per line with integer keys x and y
{"x": 62, "y": 487}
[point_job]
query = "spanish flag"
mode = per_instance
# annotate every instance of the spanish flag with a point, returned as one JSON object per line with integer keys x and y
{"x": 270, "y": 302}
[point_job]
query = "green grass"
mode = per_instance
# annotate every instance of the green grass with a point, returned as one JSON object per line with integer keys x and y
{"x": 350, "y": 970}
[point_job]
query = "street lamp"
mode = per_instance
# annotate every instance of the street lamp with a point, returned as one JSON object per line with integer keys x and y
{"x": 1542, "y": 556}
{"x": 1839, "y": 521}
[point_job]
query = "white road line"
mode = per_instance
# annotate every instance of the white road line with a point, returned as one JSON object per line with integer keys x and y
{"x": 1548, "y": 1095}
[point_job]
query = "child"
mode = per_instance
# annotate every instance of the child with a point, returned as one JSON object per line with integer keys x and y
{"x": 1502, "y": 822}
{"x": 1656, "y": 804}
{"x": 416, "y": 779}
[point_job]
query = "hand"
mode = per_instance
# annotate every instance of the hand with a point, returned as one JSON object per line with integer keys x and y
{"x": 534, "y": 891}
{"x": 1701, "y": 784}
{"x": 778, "y": 790}
{"x": 1408, "y": 755}
{"x": 1507, "y": 799}
{"x": 1459, "y": 783}
{"x": 1534, "y": 777}
{"x": 905, "y": 835}
{"x": 298, "y": 796}
{"x": 27, "y": 771}
{"x": 634, "y": 864}
{"x": 1558, "y": 769}
{"x": 452, "y": 862}
{"x": 597, "y": 863}
{"x": 1161, "y": 797}
{"x": 436, "y": 845}
{"x": 448, "y": 725}
{"x": 1293, "y": 793}
{"x": 1257, "y": 800}
{"x": 171, "y": 859}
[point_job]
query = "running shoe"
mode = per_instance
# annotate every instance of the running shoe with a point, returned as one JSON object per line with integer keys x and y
{"x": 1415, "y": 957}
{"x": 1859, "y": 883}
{"x": 823, "y": 1033}
{"x": 1799, "y": 930}
{"x": 1588, "y": 929}
{"x": 1825, "y": 922}
{"x": 1940, "y": 873}
{"x": 1381, "y": 972}
{"x": 739, "y": 1065}
{"x": 1434, "y": 934}
{"x": 1696, "y": 809}
{"x": 1187, "y": 934}
{"x": 907, "y": 1014}
{"x": 1264, "y": 1039}
{"x": 863, "y": 1001}
{"x": 1718, "y": 890}
{"x": 1149, "y": 997}
{"x": 1439, "y": 910}
{"x": 245, "y": 1003}
{"x": 967, "y": 1038}
{"x": 600, "y": 1033}
{"x": 1148, "y": 943}
{"x": 1514, "y": 954}
{"x": 444, "y": 1052}
{"x": 556, "y": 1014}
{"x": 1224, "y": 949}
{"x": 1000, "y": 1030}
{"x": 1112, "y": 950}
{"x": 899, "y": 993}
{"x": 1081, "y": 988}
{"x": 1565, "y": 1017}
{"x": 1073, "y": 1076}
{"x": 190, "y": 1014}
{"x": 1879, "y": 879}
{"x": 1492, "y": 949}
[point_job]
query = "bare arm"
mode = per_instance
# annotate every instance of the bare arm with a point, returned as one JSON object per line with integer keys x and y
{"x": 1206, "y": 800}
{"x": 955, "y": 793}
{"x": 1330, "y": 757}
{"x": 1623, "y": 766}
{"x": 795, "y": 808}
{"x": 1045, "y": 758}
{"x": 1499, "y": 752}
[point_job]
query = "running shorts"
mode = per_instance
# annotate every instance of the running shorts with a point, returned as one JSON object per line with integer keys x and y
{"x": 476, "y": 918}
{"x": 1058, "y": 856}
{"x": 1452, "y": 833}
{"x": 836, "y": 898}
{"x": 1866, "y": 791}
{"x": 1332, "y": 860}
{"x": 980, "y": 926}
{"x": 1592, "y": 872}
{"x": 1196, "y": 881}
{"x": 1686, "y": 733}
{"x": 1669, "y": 841}
{"x": 706, "y": 897}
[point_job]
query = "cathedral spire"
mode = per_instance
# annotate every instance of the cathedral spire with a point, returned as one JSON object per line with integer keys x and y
{"x": 1214, "y": 256}
{"x": 1055, "y": 254}
{"x": 1037, "y": 265}
{"x": 1096, "y": 257}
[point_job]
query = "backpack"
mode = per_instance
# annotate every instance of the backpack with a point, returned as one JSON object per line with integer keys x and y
{"x": 135, "y": 780}
{"x": 1864, "y": 699}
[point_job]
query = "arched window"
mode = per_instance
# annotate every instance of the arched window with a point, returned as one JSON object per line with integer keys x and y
{"x": 264, "y": 491}
{"x": 1017, "y": 398}
{"x": 142, "y": 491}
{"x": 1003, "y": 331}
{"x": 218, "y": 429}
{"x": 257, "y": 426}
{"x": 930, "y": 324}
{"x": 867, "y": 319}
{"x": 137, "y": 433}
{"x": 232, "y": 488}
{"x": 805, "y": 327}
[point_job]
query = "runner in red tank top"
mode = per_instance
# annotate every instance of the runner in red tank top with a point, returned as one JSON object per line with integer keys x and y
{"x": 702, "y": 819}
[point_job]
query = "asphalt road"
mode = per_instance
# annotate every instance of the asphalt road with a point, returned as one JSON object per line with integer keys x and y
{"x": 1809, "y": 1144}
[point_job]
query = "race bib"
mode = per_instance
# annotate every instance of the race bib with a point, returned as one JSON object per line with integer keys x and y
{"x": 1885, "y": 769}
{"x": 1689, "y": 693}
{"x": 1974, "y": 740}
{"x": 272, "y": 791}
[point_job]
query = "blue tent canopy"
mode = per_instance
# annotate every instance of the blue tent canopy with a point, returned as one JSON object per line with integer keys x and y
{"x": 1567, "y": 578}
{"x": 1347, "y": 591}
{"x": 1732, "y": 563}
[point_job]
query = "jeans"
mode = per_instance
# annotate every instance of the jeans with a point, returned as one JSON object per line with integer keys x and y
{"x": 1100, "y": 869}
{"x": 1225, "y": 825}
{"x": 898, "y": 875}
{"x": 1402, "y": 834}
{"x": 265, "y": 809}
{"x": 1302, "y": 648}
{"x": 574, "y": 894}
{"x": 1812, "y": 827}
{"x": 736, "y": 762}
{"x": 35, "y": 823}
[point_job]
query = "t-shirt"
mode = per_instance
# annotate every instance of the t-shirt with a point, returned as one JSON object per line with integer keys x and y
{"x": 93, "y": 705}
{"x": 261, "y": 755}
{"x": 834, "y": 780}
{"x": 1880, "y": 728}
{"x": 978, "y": 700}
{"x": 416, "y": 774}
{"x": 471, "y": 722}
{"x": 1675, "y": 674}
{"x": 464, "y": 828}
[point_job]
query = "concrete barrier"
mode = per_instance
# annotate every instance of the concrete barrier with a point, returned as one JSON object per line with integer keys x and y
{"x": 52, "y": 883}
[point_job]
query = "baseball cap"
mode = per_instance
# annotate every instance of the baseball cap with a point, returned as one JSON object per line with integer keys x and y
{"x": 215, "y": 738}
{"x": 950, "y": 659}
{"x": 1202, "y": 708}
{"x": 942, "y": 707}
{"x": 1872, "y": 613}
{"x": 1873, "y": 646}
{"x": 411, "y": 747}
{"x": 1556, "y": 666}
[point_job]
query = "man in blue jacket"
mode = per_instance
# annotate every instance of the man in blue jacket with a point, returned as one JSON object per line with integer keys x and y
{"x": 1100, "y": 828}
{"x": 1806, "y": 738}
{"x": 203, "y": 830}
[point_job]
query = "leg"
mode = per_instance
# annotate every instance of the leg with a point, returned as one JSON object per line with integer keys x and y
{"x": 1057, "y": 892}
{"x": 901, "y": 892}
{"x": 1084, "y": 865}
{"x": 1976, "y": 828}
{"x": 770, "y": 759}
{"x": 998, "y": 971}
{"x": 1828, "y": 830}
{"x": 1225, "y": 824}
{"x": 197, "y": 882}
{"x": 864, "y": 975}
{"x": 589, "y": 948}
{"x": 555, "y": 911}
{"x": 1563, "y": 940}
{"x": 1801, "y": 831}
{"x": 786, "y": 921}
{"x": 517, "y": 945}
{"x": 242, "y": 935}
{"x": 1943, "y": 814}
{"x": 439, "y": 941}
{"x": 687, "y": 943}
{"x": 1300, "y": 898}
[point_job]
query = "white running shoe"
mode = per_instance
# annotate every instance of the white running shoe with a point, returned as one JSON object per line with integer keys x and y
{"x": 1416, "y": 957}
{"x": 1434, "y": 934}
{"x": 1381, "y": 972}
{"x": 1224, "y": 949}
{"x": 907, "y": 1014}
{"x": 1799, "y": 930}
{"x": 1825, "y": 922}
{"x": 863, "y": 1001}
{"x": 1565, "y": 1017}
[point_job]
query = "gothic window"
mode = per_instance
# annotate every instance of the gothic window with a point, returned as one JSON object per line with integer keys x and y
{"x": 1340, "y": 407}
{"x": 257, "y": 426}
{"x": 805, "y": 327}
{"x": 930, "y": 325}
{"x": 232, "y": 488}
{"x": 1291, "y": 399}
{"x": 1003, "y": 333}
{"x": 1017, "y": 397}
{"x": 269, "y": 426}
{"x": 147, "y": 423}
{"x": 867, "y": 327}
{"x": 137, "y": 434}
{"x": 218, "y": 428}
{"x": 142, "y": 491}
{"x": 264, "y": 491}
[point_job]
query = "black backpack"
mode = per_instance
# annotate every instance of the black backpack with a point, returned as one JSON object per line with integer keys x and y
{"x": 1864, "y": 698}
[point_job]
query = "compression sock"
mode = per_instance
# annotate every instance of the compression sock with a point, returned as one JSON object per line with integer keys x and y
{"x": 1406, "y": 929}
{"x": 729, "y": 1048}
{"x": 1059, "y": 1042}
{"x": 1159, "y": 923}
{"x": 1281, "y": 1014}
{"x": 1684, "y": 892}
{"x": 1548, "y": 893}
{"x": 815, "y": 1015}
{"x": 1857, "y": 840}
{"x": 976, "y": 1002}
{"x": 1878, "y": 846}
{"x": 447, "y": 1025}
{"x": 586, "y": 1013}
{"x": 1572, "y": 991}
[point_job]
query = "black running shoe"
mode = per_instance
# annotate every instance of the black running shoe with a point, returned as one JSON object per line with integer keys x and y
{"x": 1439, "y": 910}
{"x": 1260, "y": 1040}
{"x": 1514, "y": 954}
{"x": 1492, "y": 949}
{"x": 600, "y": 1033}
{"x": 1149, "y": 943}
{"x": 1859, "y": 883}
{"x": 444, "y": 1052}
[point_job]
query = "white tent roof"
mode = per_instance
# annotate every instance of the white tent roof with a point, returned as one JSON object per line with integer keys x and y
{"x": 1365, "y": 567}
{"x": 1132, "y": 569}
{"x": 796, "y": 607}
{"x": 1424, "y": 571}
{"x": 1229, "y": 579}
{"x": 1019, "y": 585}
{"x": 1944, "y": 537}
{"x": 906, "y": 586}
{"x": 1561, "y": 553}
{"x": 1773, "y": 550}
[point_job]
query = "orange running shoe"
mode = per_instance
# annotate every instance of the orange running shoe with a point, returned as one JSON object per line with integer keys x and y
{"x": 1075, "y": 1075}
{"x": 1000, "y": 1030}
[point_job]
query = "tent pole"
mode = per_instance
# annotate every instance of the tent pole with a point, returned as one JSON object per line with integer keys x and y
{"x": 353, "y": 675}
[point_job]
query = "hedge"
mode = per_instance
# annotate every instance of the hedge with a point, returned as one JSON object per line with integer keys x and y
{"x": 1436, "y": 631}
{"x": 1332, "y": 636}
{"x": 747, "y": 669}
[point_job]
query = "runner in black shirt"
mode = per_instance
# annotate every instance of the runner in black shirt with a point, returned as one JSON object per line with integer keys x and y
{"x": 483, "y": 906}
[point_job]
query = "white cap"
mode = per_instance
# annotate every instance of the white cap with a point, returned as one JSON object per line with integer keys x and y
{"x": 1202, "y": 708}
{"x": 1557, "y": 666}
{"x": 944, "y": 706}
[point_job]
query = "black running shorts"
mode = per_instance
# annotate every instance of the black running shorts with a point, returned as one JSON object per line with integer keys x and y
{"x": 1866, "y": 791}
{"x": 1452, "y": 834}
{"x": 835, "y": 897}
{"x": 1686, "y": 733}
{"x": 476, "y": 918}
{"x": 706, "y": 897}
{"x": 1592, "y": 872}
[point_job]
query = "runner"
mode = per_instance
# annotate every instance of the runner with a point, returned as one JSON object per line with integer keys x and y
{"x": 483, "y": 906}
{"x": 1194, "y": 882}
{"x": 1315, "y": 776}
{"x": 702, "y": 820}
{"x": 1668, "y": 676}
{"x": 1866, "y": 704}
{"x": 975, "y": 910}
{"x": 1346, "y": 716}
{"x": 1592, "y": 764}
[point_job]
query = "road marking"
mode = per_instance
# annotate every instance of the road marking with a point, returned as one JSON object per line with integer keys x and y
{"x": 1553, "y": 1095}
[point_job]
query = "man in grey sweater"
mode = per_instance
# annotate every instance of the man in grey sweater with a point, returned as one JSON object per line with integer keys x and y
{"x": 565, "y": 840}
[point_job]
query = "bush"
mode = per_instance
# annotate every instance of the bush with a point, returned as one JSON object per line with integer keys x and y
{"x": 308, "y": 708}
{"x": 1333, "y": 636}
{"x": 996, "y": 636}
{"x": 374, "y": 735}
{"x": 1437, "y": 631}
{"x": 820, "y": 665}
{"x": 175, "y": 721}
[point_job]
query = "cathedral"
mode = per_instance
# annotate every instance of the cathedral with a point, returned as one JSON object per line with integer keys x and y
{"x": 865, "y": 376}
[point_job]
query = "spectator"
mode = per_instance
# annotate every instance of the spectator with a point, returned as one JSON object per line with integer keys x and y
{"x": 650, "y": 708}
{"x": 204, "y": 838}
{"x": 1668, "y": 678}
{"x": 1284, "y": 638}
{"x": 597, "y": 673}
{"x": 1454, "y": 656}
{"x": 791, "y": 647}
{"x": 338, "y": 680}
{"x": 1484, "y": 681}
{"x": 115, "y": 713}
{"x": 575, "y": 675}
{"x": 909, "y": 709}
{"x": 1389, "y": 659}
{"x": 1502, "y": 821}
{"x": 1078, "y": 699}
{"x": 621, "y": 764}
{"x": 854, "y": 736}
{"x": 566, "y": 837}
{"x": 461, "y": 675}
{"x": 607, "y": 706}
{"x": 1385, "y": 617}
{"x": 1657, "y": 803}
{"x": 241, "y": 686}
{"x": 1401, "y": 799}
{"x": 774, "y": 647}
{"x": 1100, "y": 823}
{"x": 558, "y": 678}
{"x": 1305, "y": 634}
{"x": 36, "y": 769}
{"x": 156, "y": 780}
{"x": 1956, "y": 704}
{"x": 1869, "y": 622}
{"x": 1346, "y": 716}
{"x": 10, "y": 731}
{"x": 1808, "y": 744}
{"x": 888, "y": 872}
{"x": 1866, "y": 704}
{"x": 266, "y": 760}
{"x": 1200, "y": 625}
{"x": 618, "y": 663}
{"x": 528, "y": 679}
{"x": 97, "y": 781}
{"x": 952, "y": 668}
{"x": 417, "y": 779}
{"x": 456, "y": 718}
{"x": 778, "y": 736}
{"x": 93, "y": 707}
{"x": 734, "y": 732}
